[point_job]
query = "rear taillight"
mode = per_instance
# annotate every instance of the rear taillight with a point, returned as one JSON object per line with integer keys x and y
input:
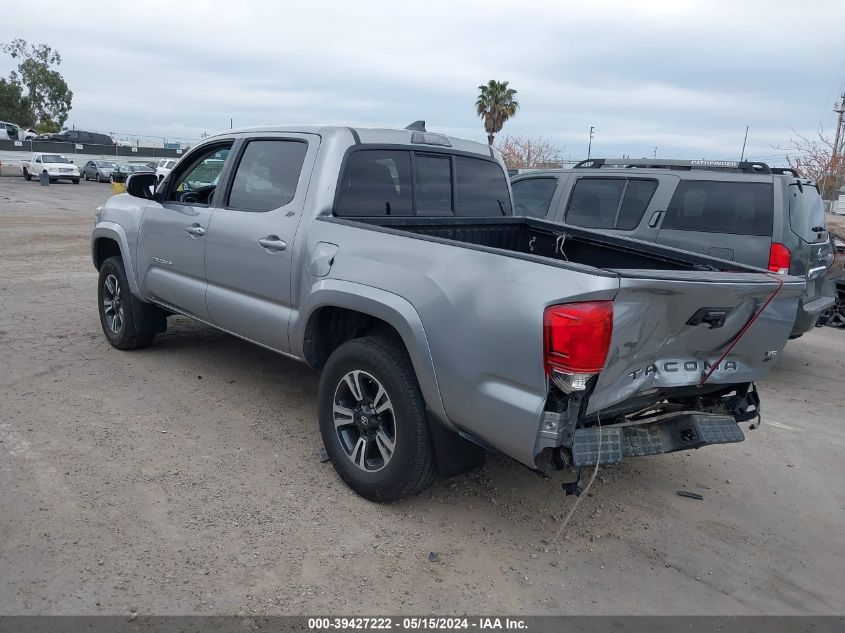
{"x": 577, "y": 336}
{"x": 779, "y": 258}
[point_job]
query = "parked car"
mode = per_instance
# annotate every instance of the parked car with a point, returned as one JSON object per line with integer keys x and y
{"x": 81, "y": 137}
{"x": 390, "y": 261}
{"x": 164, "y": 167}
{"x": 11, "y": 132}
{"x": 123, "y": 171}
{"x": 745, "y": 212}
{"x": 57, "y": 167}
{"x": 99, "y": 170}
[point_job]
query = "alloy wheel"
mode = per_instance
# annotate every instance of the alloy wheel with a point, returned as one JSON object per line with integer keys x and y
{"x": 364, "y": 420}
{"x": 112, "y": 304}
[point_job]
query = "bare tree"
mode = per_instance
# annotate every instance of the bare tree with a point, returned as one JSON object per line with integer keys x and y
{"x": 523, "y": 152}
{"x": 814, "y": 158}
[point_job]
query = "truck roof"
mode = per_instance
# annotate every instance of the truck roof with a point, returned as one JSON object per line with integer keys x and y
{"x": 375, "y": 136}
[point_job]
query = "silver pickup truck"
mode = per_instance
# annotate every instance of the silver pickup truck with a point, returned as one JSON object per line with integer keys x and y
{"x": 442, "y": 325}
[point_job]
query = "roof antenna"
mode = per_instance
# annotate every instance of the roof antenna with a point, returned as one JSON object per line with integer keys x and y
{"x": 417, "y": 126}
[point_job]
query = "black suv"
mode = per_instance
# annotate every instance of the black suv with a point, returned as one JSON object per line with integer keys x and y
{"x": 82, "y": 137}
{"x": 742, "y": 211}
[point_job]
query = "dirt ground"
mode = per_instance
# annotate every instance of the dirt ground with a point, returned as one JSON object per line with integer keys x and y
{"x": 183, "y": 478}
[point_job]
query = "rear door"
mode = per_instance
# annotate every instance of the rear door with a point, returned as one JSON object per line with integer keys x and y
{"x": 250, "y": 241}
{"x": 624, "y": 205}
{"x": 812, "y": 249}
{"x": 730, "y": 218}
{"x": 670, "y": 328}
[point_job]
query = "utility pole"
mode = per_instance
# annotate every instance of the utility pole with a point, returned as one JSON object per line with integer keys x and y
{"x": 590, "y": 144}
{"x": 655, "y": 152}
{"x": 230, "y": 122}
{"x": 839, "y": 108}
{"x": 744, "y": 141}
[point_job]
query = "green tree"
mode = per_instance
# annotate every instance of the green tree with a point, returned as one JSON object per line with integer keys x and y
{"x": 495, "y": 105}
{"x": 14, "y": 106}
{"x": 47, "y": 96}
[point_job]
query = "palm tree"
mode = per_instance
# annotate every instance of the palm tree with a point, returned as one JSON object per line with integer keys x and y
{"x": 495, "y": 104}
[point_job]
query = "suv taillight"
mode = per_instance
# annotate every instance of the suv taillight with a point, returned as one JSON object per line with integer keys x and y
{"x": 779, "y": 258}
{"x": 576, "y": 336}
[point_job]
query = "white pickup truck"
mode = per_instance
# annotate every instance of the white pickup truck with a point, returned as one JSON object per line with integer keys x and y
{"x": 57, "y": 167}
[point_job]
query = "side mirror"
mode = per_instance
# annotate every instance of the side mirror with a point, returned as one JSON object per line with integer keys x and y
{"x": 141, "y": 185}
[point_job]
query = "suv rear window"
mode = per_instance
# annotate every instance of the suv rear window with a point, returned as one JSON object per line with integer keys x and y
{"x": 378, "y": 182}
{"x": 740, "y": 208}
{"x": 532, "y": 196}
{"x": 806, "y": 212}
{"x": 609, "y": 203}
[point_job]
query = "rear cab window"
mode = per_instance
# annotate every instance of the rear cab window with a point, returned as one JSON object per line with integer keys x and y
{"x": 387, "y": 182}
{"x": 739, "y": 208}
{"x": 609, "y": 203}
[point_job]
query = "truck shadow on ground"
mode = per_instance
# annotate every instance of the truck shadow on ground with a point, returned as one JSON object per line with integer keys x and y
{"x": 501, "y": 489}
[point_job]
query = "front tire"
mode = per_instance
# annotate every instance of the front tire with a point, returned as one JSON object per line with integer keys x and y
{"x": 75, "y": 181}
{"x": 373, "y": 420}
{"x": 127, "y": 322}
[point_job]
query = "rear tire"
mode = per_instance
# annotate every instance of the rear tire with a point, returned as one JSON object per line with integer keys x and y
{"x": 27, "y": 176}
{"x": 373, "y": 420}
{"x": 127, "y": 322}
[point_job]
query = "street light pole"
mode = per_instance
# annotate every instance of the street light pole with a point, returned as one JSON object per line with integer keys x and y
{"x": 590, "y": 144}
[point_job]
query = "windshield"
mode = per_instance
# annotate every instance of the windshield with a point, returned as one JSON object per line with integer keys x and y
{"x": 104, "y": 164}
{"x": 806, "y": 212}
{"x": 53, "y": 158}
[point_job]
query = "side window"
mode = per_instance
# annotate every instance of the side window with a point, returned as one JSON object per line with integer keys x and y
{"x": 533, "y": 196}
{"x": 638, "y": 194}
{"x": 741, "y": 208}
{"x": 433, "y": 184}
{"x": 199, "y": 175}
{"x": 609, "y": 203}
{"x": 481, "y": 188}
{"x": 267, "y": 175}
{"x": 375, "y": 183}
{"x": 594, "y": 202}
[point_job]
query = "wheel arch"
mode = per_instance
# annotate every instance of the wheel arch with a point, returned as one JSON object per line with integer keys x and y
{"x": 108, "y": 240}
{"x": 337, "y": 311}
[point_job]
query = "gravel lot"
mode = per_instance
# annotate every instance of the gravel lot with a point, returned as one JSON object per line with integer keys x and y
{"x": 183, "y": 479}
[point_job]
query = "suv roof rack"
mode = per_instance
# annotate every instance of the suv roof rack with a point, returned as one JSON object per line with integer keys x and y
{"x": 747, "y": 167}
{"x": 786, "y": 170}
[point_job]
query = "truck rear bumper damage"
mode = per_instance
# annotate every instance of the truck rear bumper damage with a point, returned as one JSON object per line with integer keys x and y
{"x": 611, "y": 444}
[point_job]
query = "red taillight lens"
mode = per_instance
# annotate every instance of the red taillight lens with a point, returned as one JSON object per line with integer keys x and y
{"x": 577, "y": 336}
{"x": 779, "y": 258}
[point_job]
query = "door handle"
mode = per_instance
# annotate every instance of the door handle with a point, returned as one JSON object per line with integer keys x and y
{"x": 195, "y": 230}
{"x": 272, "y": 243}
{"x": 655, "y": 218}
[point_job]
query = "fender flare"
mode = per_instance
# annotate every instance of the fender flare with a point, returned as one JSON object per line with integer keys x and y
{"x": 390, "y": 308}
{"x": 115, "y": 232}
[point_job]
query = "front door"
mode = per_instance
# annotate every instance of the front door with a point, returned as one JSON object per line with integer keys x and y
{"x": 171, "y": 243}
{"x": 251, "y": 238}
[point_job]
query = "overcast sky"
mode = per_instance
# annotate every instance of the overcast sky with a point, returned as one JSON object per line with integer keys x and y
{"x": 686, "y": 77}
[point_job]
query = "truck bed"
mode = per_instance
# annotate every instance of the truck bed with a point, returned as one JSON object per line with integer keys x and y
{"x": 539, "y": 238}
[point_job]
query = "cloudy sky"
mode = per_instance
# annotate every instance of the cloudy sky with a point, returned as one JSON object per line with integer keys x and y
{"x": 686, "y": 77}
